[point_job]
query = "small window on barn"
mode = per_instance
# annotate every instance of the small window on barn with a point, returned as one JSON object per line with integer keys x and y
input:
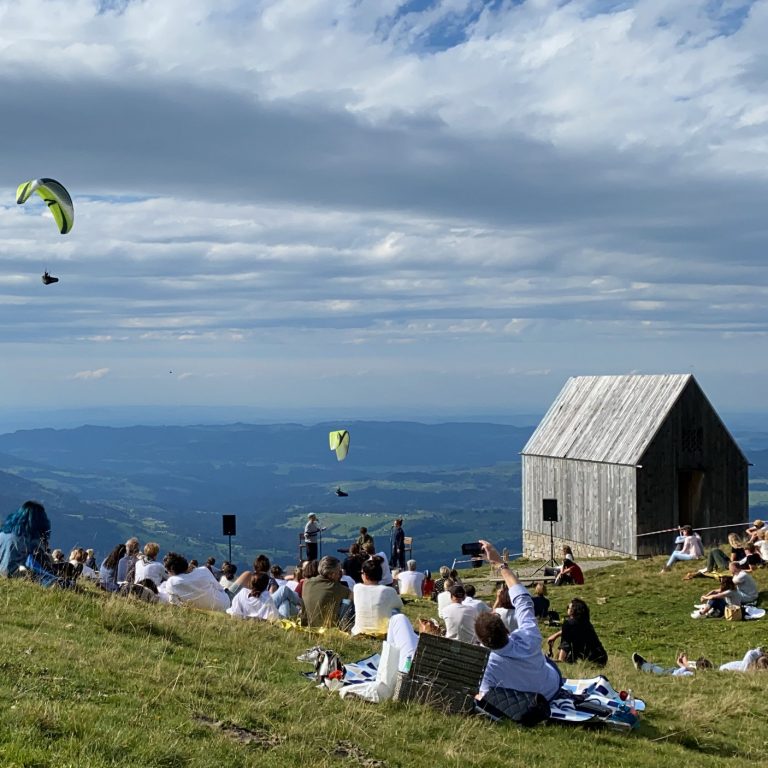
{"x": 693, "y": 440}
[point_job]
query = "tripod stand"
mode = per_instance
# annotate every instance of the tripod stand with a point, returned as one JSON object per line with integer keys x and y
{"x": 551, "y": 563}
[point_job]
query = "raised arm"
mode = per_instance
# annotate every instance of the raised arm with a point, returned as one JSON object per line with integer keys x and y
{"x": 493, "y": 557}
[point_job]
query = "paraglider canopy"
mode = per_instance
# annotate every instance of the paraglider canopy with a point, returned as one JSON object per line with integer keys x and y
{"x": 55, "y": 195}
{"x": 339, "y": 442}
{"x": 48, "y": 279}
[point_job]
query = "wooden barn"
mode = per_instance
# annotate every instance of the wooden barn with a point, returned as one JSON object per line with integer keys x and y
{"x": 627, "y": 455}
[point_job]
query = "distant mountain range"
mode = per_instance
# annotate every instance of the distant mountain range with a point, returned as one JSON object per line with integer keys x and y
{"x": 451, "y": 482}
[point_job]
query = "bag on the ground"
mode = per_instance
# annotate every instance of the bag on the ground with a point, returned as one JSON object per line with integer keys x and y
{"x": 524, "y": 708}
{"x": 329, "y": 669}
{"x": 733, "y": 613}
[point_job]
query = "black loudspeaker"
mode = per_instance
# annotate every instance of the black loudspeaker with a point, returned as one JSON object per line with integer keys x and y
{"x": 229, "y": 525}
{"x": 549, "y": 510}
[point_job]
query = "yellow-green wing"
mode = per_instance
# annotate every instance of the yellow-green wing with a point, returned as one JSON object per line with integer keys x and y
{"x": 56, "y": 198}
{"x": 339, "y": 442}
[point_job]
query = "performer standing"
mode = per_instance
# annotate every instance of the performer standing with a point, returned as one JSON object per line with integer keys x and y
{"x": 397, "y": 559}
{"x": 311, "y": 534}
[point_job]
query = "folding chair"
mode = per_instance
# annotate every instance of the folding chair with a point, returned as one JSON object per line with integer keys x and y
{"x": 445, "y": 674}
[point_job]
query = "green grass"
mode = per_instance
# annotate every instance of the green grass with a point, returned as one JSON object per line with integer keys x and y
{"x": 91, "y": 680}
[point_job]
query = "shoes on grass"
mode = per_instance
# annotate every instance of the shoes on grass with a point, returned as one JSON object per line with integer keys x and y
{"x": 638, "y": 661}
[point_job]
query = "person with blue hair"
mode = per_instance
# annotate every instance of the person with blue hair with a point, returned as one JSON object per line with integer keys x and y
{"x": 22, "y": 534}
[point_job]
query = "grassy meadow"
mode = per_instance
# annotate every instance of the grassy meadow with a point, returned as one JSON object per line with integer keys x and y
{"x": 92, "y": 680}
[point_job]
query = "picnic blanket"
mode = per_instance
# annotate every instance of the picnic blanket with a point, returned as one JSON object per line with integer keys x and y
{"x": 589, "y": 701}
{"x": 594, "y": 701}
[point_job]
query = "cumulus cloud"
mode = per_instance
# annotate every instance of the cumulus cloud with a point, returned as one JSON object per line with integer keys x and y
{"x": 427, "y": 183}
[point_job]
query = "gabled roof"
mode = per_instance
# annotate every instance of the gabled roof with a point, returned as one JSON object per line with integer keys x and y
{"x": 609, "y": 419}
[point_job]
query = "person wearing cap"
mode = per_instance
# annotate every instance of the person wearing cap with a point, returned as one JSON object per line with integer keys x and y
{"x": 311, "y": 533}
{"x": 459, "y": 618}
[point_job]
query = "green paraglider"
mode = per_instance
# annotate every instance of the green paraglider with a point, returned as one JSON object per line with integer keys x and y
{"x": 56, "y": 197}
{"x": 339, "y": 442}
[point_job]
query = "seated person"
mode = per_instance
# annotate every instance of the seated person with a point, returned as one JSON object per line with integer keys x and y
{"x": 752, "y": 559}
{"x": 353, "y": 564}
{"x": 756, "y": 528}
{"x": 197, "y": 588}
{"x": 717, "y": 599}
{"x": 762, "y": 545}
{"x": 503, "y": 607}
{"x": 567, "y": 573}
{"x": 439, "y": 585}
{"x": 370, "y": 551}
{"x": 480, "y": 606}
{"x": 717, "y": 560}
{"x": 24, "y": 532}
{"x": 255, "y": 603}
{"x": 444, "y": 598}
{"x": 684, "y": 668}
{"x": 228, "y": 571}
{"x": 459, "y": 618}
{"x": 108, "y": 569}
{"x": 77, "y": 558}
{"x": 578, "y": 639}
{"x": 745, "y": 584}
{"x": 147, "y": 566}
{"x": 540, "y": 600}
{"x": 326, "y": 599}
{"x": 429, "y": 584}
{"x": 692, "y": 548}
{"x": 516, "y": 660}
{"x": 374, "y": 603}
{"x": 411, "y": 581}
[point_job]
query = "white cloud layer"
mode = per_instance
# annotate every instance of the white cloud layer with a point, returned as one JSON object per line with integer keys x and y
{"x": 471, "y": 198}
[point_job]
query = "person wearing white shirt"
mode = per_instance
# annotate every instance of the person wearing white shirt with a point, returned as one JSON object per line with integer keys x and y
{"x": 444, "y": 598}
{"x": 147, "y": 566}
{"x": 480, "y": 606}
{"x": 459, "y": 618}
{"x": 374, "y": 602}
{"x": 411, "y": 581}
{"x": 386, "y": 574}
{"x": 745, "y": 584}
{"x": 198, "y": 588}
{"x": 255, "y": 603}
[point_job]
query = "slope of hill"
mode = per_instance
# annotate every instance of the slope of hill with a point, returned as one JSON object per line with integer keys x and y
{"x": 92, "y": 680}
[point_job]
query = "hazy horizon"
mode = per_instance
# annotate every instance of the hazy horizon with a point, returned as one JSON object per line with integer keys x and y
{"x": 12, "y": 420}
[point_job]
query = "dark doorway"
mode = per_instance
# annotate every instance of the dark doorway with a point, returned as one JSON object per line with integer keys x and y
{"x": 690, "y": 487}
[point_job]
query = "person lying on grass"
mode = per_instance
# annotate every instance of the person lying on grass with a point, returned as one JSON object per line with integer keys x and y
{"x": 684, "y": 668}
{"x": 516, "y": 660}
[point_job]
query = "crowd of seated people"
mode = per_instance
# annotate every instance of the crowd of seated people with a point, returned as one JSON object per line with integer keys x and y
{"x": 354, "y": 596}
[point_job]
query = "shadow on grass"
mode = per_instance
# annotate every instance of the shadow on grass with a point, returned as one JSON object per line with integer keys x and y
{"x": 138, "y": 627}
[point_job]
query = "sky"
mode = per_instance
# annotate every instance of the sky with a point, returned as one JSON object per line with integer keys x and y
{"x": 378, "y": 206}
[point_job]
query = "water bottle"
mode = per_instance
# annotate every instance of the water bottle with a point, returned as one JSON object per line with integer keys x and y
{"x": 630, "y": 699}
{"x": 407, "y": 665}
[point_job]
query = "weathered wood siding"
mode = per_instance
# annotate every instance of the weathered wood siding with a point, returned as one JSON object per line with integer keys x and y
{"x": 694, "y": 441}
{"x": 596, "y": 502}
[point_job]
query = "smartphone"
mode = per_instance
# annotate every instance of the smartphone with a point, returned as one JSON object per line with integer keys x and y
{"x": 473, "y": 549}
